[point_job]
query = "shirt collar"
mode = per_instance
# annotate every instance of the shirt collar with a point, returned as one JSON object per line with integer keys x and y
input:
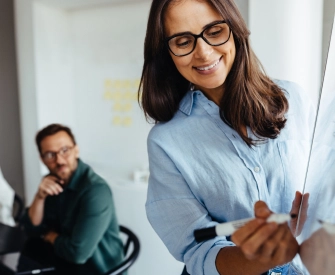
{"x": 191, "y": 97}
{"x": 186, "y": 104}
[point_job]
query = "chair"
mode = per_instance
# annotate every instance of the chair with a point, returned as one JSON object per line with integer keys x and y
{"x": 18, "y": 208}
{"x": 130, "y": 257}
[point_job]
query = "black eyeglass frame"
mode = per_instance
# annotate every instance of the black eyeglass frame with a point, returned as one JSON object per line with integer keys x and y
{"x": 196, "y": 36}
{"x": 55, "y": 154}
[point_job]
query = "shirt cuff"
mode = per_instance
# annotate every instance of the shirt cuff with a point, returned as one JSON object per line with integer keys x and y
{"x": 57, "y": 245}
{"x": 209, "y": 264}
{"x": 29, "y": 228}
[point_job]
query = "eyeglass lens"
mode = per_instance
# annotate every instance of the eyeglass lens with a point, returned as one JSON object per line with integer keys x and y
{"x": 214, "y": 35}
{"x": 50, "y": 156}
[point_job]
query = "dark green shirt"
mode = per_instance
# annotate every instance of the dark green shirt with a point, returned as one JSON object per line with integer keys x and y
{"x": 84, "y": 216}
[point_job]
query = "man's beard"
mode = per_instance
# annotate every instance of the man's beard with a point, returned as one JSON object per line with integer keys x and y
{"x": 59, "y": 174}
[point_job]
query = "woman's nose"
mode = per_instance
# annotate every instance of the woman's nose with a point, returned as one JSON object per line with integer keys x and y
{"x": 203, "y": 50}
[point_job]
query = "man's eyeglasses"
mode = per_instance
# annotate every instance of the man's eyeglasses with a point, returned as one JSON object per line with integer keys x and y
{"x": 52, "y": 156}
{"x": 183, "y": 44}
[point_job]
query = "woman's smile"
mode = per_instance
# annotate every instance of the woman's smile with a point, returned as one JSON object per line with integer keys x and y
{"x": 208, "y": 69}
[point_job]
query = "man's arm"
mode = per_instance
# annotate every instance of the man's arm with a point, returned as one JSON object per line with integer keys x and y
{"x": 96, "y": 212}
{"x": 47, "y": 187}
{"x": 33, "y": 217}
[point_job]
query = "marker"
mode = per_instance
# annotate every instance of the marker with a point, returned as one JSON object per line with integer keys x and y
{"x": 228, "y": 228}
{"x": 329, "y": 227}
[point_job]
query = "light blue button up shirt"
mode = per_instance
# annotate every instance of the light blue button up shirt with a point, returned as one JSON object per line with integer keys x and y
{"x": 203, "y": 173}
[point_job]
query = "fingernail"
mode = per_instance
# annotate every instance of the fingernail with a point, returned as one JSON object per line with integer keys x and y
{"x": 261, "y": 211}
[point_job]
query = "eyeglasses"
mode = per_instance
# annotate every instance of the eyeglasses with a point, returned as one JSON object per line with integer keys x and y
{"x": 183, "y": 44}
{"x": 52, "y": 156}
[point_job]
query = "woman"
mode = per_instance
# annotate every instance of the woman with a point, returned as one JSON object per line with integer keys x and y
{"x": 222, "y": 141}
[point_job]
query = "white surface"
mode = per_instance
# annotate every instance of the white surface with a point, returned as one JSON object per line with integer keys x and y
{"x": 320, "y": 180}
{"x": 287, "y": 38}
{"x": 325, "y": 130}
{"x": 27, "y": 93}
{"x": 56, "y": 100}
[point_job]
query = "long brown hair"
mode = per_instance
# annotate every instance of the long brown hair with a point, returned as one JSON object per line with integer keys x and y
{"x": 250, "y": 99}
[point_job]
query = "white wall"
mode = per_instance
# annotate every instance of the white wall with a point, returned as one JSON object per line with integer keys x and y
{"x": 27, "y": 94}
{"x": 54, "y": 65}
{"x": 108, "y": 46}
{"x": 287, "y": 37}
{"x": 243, "y": 6}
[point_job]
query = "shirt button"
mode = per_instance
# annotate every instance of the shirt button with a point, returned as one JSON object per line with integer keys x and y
{"x": 257, "y": 169}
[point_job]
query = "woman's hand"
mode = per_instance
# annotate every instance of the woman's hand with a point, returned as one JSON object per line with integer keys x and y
{"x": 318, "y": 252}
{"x": 301, "y": 214}
{"x": 269, "y": 243}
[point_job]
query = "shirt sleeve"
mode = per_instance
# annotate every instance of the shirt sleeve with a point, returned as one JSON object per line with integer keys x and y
{"x": 96, "y": 212}
{"x": 30, "y": 229}
{"x": 174, "y": 213}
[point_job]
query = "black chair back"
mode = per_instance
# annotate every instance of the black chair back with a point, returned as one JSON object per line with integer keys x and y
{"x": 18, "y": 208}
{"x": 130, "y": 257}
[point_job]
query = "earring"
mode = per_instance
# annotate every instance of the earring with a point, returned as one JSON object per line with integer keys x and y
{"x": 191, "y": 87}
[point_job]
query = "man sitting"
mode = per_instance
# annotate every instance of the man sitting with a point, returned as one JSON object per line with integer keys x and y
{"x": 73, "y": 209}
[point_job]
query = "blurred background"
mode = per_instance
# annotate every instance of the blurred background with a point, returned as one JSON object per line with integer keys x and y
{"x": 78, "y": 62}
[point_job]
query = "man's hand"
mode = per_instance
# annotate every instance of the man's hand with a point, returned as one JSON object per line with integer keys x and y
{"x": 50, "y": 237}
{"x": 295, "y": 227}
{"x": 49, "y": 186}
{"x": 317, "y": 253}
{"x": 268, "y": 243}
